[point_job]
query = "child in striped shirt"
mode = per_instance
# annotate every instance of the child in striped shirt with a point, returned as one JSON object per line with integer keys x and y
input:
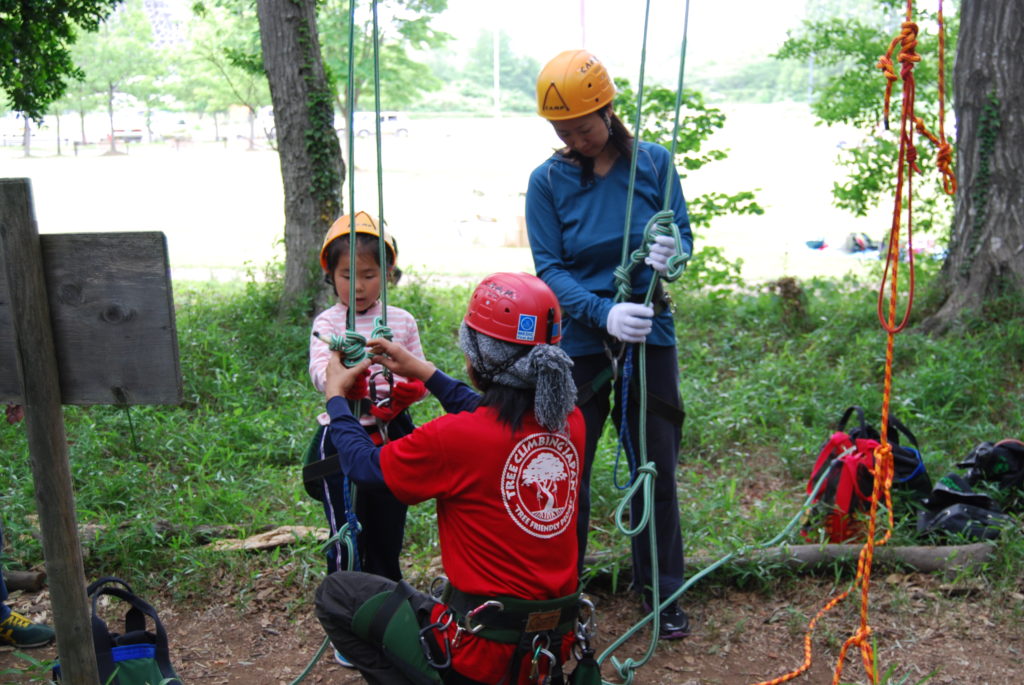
{"x": 381, "y": 403}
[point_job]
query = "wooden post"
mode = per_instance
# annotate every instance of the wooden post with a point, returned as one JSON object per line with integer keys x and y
{"x": 44, "y": 424}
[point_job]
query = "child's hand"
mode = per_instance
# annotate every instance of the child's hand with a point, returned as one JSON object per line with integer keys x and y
{"x": 399, "y": 360}
{"x": 402, "y": 396}
{"x": 347, "y": 382}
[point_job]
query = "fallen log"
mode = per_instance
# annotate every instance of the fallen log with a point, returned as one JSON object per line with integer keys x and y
{"x": 923, "y": 558}
{"x": 30, "y": 581}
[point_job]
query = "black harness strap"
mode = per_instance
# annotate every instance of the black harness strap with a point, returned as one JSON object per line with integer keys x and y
{"x": 402, "y": 592}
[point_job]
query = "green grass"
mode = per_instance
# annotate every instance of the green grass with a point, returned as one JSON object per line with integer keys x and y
{"x": 764, "y": 378}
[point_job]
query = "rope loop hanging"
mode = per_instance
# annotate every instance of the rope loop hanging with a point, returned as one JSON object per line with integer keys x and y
{"x": 644, "y": 472}
{"x": 883, "y": 468}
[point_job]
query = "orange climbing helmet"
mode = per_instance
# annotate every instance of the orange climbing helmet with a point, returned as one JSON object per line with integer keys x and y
{"x": 517, "y": 308}
{"x": 573, "y": 84}
{"x": 365, "y": 224}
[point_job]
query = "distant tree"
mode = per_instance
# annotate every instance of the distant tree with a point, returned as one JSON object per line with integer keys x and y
{"x": 696, "y": 124}
{"x": 35, "y": 39}
{"x": 224, "y": 64}
{"x": 118, "y": 55}
{"x": 405, "y": 27}
{"x": 849, "y": 90}
{"x": 517, "y": 74}
{"x": 986, "y": 248}
{"x": 311, "y": 164}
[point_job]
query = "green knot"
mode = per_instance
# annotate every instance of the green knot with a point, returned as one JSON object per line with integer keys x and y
{"x": 623, "y": 286}
{"x": 353, "y": 348}
{"x": 663, "y": 223}
{"x": 381, "y": 329}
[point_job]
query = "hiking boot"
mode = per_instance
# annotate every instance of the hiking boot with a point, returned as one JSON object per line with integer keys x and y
{"x": 22, "y": 633}
{"x": 673, "y": 623}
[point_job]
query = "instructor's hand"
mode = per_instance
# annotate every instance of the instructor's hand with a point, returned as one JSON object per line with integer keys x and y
{"x": 341, "y": 379}
{"x": 661, "y": 249}
{"x": 630, "y": 322}
{"x": 399, "y": 360}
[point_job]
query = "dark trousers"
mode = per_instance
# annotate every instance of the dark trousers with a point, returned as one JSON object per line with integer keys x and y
{"x": 381, "y": 518}
{"x": 338, "y": 598}
{"x": 4, "y": 609}
{"x": 663, "y": 438}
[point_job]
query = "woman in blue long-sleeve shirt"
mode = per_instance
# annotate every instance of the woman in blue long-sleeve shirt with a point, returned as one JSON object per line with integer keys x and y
{"x": 575, "y": 218}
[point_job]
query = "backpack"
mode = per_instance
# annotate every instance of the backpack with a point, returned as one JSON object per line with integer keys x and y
{"x": 1001, "y": 463}
{"x": 849, "y": 458}
{"x": 135, "y": 657}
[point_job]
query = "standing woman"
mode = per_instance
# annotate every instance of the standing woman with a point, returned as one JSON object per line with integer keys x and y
{"x": 575, "y": 217}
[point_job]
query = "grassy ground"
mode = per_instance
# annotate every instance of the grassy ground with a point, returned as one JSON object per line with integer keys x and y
{"x": 764, "y": 377}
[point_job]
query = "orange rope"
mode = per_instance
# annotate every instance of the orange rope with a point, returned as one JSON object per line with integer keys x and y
{"x": 883, "y": 466}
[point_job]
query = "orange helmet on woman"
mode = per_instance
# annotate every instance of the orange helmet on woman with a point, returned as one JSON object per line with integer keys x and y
{"x": 517, "y": 308}
{"x": 365, "y": 224}
{"x": 573, "y": 84}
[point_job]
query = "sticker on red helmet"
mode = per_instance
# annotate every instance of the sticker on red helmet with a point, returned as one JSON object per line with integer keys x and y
{"x": 527, "y": 329}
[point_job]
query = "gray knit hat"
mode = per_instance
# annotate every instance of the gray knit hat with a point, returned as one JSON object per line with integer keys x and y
{"x": 546, "y": 369}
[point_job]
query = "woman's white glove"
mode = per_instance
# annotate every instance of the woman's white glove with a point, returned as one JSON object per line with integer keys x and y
{"x": 662, "y": 248}
{"x": 630, "y": 322}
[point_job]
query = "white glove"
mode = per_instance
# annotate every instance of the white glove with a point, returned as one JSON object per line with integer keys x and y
{"x": 662, "y": 248}
{"x": 630, "y": 322}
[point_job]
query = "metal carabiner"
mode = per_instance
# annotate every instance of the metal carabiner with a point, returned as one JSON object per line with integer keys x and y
{"x": 491, "y": 603}
{"x": 446, "y": 647}
{"x": 538, "y": 652}
{"x": 613, "y": 359}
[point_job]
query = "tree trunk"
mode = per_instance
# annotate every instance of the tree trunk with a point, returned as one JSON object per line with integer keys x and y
{"x": 311, "y": 164}
{"x": 986, "y": 251}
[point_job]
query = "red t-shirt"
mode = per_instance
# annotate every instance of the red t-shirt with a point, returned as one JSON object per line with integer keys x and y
{"x": 506, "y": 511}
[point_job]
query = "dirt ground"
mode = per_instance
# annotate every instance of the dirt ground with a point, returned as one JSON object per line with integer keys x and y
{"x": 920, "y": 624}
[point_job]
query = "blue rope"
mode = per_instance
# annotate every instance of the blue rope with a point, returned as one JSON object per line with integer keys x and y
{"x": 352, "y": 528}
{"x": 624, "y": 440}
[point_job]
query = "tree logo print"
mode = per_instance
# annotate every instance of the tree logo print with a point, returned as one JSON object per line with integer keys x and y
{"x": 540, "y": 484}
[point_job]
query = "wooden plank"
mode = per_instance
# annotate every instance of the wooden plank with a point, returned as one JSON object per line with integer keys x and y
{"x": 36, "y": 365}
{"x": 112, "y": 313}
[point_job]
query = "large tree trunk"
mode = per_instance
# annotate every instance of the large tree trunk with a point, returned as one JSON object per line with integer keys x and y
{"x": 311, "y": 164}
{"x": 986, "y": 251}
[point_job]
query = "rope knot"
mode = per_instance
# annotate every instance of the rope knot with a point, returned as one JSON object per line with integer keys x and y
{"x": 353, "y": 347}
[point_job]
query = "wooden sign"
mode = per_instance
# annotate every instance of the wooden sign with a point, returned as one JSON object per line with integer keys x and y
{"x": 112, "y": 316}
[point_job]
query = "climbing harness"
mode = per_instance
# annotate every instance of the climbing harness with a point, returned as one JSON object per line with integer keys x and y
{"x": 883, "y": 469}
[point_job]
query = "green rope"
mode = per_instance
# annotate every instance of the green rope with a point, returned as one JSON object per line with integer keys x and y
{"x": 661, "y": 223}
{"x": 354, "y": 352}
{"x": 380, "y": 323}
{"x": 623, "y": 667}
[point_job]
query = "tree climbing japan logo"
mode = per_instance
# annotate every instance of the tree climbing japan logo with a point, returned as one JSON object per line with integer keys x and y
{"x": 540, "y": 484}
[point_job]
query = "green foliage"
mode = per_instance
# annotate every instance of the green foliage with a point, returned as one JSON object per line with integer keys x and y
{"x": 697, "y": 121}
{"x": 405, "y": 27}
{"x": 851, "y": 91}
{"x": 35, "y": 41}
{"x": 761, "y": 393}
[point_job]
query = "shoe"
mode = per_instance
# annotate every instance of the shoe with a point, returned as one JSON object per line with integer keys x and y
{"x": 673, "y": 623}
{"x": 19, "y": 631}
{"x": 342, "y": 660}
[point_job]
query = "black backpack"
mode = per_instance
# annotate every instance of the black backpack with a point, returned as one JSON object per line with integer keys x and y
{"x": 1001, "y": 463}
{"x": 136, "y": 657}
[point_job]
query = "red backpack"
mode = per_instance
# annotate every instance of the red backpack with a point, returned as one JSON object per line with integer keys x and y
{"x": 850, "y": 481}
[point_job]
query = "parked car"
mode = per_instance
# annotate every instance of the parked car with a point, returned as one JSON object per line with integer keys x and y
{"x": 391, "y": 123}
{"x": 129, "y": 127}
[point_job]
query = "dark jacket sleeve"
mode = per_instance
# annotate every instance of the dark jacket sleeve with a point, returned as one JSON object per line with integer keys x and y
{"x": 360, "y": 458}
{"x": 454, "y": 396}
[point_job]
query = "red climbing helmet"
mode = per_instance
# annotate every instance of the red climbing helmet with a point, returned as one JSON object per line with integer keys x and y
{"x": 517, "y": 308}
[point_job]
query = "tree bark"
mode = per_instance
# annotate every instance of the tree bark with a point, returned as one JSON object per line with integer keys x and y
{"x": 986, "y": 251}
{"x": 311, "y": 166}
